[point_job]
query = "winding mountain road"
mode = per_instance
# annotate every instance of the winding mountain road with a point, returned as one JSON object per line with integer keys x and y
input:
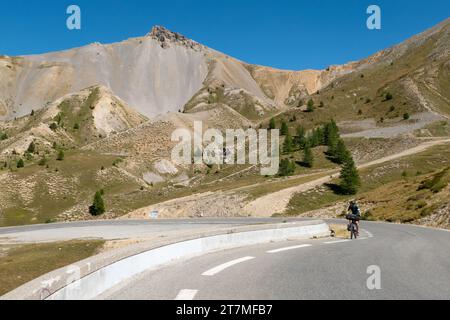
{"x": 413, "y": 263}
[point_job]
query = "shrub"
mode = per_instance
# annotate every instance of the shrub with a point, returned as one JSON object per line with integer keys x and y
{"x": 60, "y": 156}
{"x": 388, "y": 96}
{"x": 42, "y": 162}
{"x": 20, "y": 163}
{"x": 3, "y": 136}
{"x": 406, "y": 116}
{"x": 53, "y": 126}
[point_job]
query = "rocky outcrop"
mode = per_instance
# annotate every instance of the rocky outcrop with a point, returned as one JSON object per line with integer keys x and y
{"x": 166, "y": 37}
{"x": 440, "y": 218}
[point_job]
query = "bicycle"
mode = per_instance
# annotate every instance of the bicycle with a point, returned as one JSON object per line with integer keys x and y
{"x": 353, "y": 226}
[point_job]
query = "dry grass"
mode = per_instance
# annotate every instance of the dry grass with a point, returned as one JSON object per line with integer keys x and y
{"x": 22, "y": 263}
{"x": 340, "y": 230}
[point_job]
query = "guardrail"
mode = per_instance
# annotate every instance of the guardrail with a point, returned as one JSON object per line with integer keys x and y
{"x": 92, "y": 277}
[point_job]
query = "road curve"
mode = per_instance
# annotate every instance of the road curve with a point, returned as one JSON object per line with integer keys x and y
{"x": 124, "y": 229}
{"x": 414, "y": 263}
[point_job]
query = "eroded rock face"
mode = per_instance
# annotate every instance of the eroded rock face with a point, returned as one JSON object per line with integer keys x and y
{"x": 166, "y": 37}
{"x": 440, "y": 218}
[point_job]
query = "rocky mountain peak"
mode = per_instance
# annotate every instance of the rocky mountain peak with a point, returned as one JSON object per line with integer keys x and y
{"x": 165, "y": 37}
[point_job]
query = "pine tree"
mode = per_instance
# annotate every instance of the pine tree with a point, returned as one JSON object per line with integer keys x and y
{"x": 320, "y": 135}
{"x": 60, "y": 156}
{"x": 308, "y": 158}
{"x": 287, "y": 168}
{"x": 350, "y": 180}
{"x": 284, "y": 128}
{"x": 331, "y": 138}
{"x": 31, "y": 147}
{"x": 310, "y": 105}
{"x": 288, "y": 145}
{"x": 300, "y": 139}
{"x": 272, "y": 124}
{"x": 341, "y": 153}
{"x": 20, "y": 163}
{"x": 98, "y": 206}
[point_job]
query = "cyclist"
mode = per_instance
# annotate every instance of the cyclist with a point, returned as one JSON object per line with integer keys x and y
{"x": 353, "y": 207}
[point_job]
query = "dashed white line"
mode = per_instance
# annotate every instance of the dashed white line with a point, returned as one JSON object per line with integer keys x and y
{"x": 186, "y": 294}
{"x": 289, "y": 248}
{"x": 336, "y": 241}
{"x": 224, "y": 266}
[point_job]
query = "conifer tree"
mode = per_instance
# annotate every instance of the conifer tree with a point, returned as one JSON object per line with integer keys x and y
{"x": 98, "y": 206}
{"x": 284, "y": 128}
{"x": 350, "y": 179}
{"x": 308, "y": 158}
{"x": 288, "y": 145}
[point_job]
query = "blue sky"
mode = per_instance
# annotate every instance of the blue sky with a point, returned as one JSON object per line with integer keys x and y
{"x": 288, "y": 34}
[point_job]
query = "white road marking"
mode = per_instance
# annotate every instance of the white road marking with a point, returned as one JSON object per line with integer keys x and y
{"x": 337, "y": 241}
{"x": 369, "y": 234}
{"x": 289, "y": 248}
{"x": 186, "y": 295}
{"x": 224, "y": 266}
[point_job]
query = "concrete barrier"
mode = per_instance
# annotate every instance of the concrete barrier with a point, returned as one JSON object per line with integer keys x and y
{"x": 95, "y": 282}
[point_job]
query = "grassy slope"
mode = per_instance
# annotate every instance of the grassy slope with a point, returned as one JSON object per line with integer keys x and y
{"x": 22, "y": 263}
{"x": 62, "y": 185}
{"x": 390, "y": 190}
{"x": 361, "y": 95}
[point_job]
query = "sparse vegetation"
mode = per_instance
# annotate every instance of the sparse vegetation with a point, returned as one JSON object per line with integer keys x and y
{"x": 60, "y": 156}
{"x": 53, "y": 126}
{"x": 3, "y": 136}
{"x": 388, "y": 96}
{"x": 22, "y": 263}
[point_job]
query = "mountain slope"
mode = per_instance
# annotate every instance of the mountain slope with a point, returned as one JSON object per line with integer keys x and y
{"x": 155, "y": 74}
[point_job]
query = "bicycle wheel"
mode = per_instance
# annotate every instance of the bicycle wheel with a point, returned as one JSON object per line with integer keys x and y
{"x": 353, "y": 232}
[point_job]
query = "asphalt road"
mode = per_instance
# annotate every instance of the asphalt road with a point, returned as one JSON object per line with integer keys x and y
{"x": 123, "y": 229}
{"x": 414, "y": 263}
